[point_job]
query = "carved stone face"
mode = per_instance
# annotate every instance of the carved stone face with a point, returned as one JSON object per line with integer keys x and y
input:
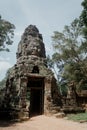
{"x": 34, "y": 48}
{"x": 31, "y": 43}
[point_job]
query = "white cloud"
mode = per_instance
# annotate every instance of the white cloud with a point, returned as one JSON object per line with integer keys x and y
{"x": 4, "y": 66}
{"x": 18, "y": 33}
{"x": 49, "y": 50}
{"x": 1, "y": 58}
{"x": 4, "y": 59}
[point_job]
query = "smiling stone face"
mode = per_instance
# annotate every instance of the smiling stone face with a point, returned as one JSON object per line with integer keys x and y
{"x": 31, "y": 43}
{"x": 34, "y": 48}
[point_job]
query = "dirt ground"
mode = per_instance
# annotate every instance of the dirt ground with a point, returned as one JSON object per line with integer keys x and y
{"x": 44, "y": 123}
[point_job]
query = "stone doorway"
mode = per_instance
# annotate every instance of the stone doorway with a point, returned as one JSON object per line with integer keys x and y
{"x": 36, "y": 90}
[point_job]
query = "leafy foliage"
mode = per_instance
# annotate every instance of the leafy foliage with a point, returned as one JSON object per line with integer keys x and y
{"x": 2, "y": 83}
{"x": 70, "y": 57}
{"x": 83, "y": 16}
{"x": 6, "y": 34}
{"x": 78, "y": 117}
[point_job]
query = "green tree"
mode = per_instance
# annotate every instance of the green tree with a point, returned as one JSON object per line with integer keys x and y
{"x": 69, "y": 56}
{"x": 6, "y": 34}
{"x": 3, "y": 81}
{"x": 83, "y": 21}
{"x": 83, "y": 18}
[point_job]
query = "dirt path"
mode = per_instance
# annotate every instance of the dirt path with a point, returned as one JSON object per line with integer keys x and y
{"x": 45, "y": 123}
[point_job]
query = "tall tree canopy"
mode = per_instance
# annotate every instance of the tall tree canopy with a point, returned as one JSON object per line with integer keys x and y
{"x": 83, "y": 21}
{"x": 83, "y": 17}
{"x": 6, "y": 34}
{"x": 70, "y": 58}
{"x": 70, "y": 55}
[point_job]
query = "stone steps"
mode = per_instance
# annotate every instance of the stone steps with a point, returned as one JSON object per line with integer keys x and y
{"x": 71, "y": 109}
{"x": 60, "y": 115}
{"x": 55, "y": 108}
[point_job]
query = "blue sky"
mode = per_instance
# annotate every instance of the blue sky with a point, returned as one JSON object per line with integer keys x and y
{"x": 47, "y": 15}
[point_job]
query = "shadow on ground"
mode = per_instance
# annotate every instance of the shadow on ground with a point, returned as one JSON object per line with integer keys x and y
{"x": 6, "y": 121}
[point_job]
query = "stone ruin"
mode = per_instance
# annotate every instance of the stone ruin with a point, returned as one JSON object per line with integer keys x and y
{"x": 72, "y": 103}
{"x": 31, "y": 87}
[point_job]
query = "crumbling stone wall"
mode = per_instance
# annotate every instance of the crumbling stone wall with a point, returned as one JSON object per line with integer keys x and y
{"x": 71, "y": 102}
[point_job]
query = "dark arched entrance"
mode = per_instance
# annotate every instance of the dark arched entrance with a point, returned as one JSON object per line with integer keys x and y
{"x": 36, "y": 88}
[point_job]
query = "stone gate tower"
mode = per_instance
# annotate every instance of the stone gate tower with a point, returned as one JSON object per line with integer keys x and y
{"x": 31, "y": 88}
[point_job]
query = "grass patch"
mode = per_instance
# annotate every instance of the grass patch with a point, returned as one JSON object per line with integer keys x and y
{"x": 78, "y": 117}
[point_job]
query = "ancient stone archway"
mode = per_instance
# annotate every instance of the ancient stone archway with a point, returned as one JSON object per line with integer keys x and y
{"x": 36, "y": 90}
